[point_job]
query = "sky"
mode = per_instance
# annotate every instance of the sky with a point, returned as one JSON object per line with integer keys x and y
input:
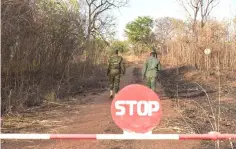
{"x": 162, "y": 8}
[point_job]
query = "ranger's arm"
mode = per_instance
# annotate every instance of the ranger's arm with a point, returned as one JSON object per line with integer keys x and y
{"x": 108, "y": 68}
{"x": 122, "y": 66}
{"x": 144, "y": 69}
{"x": 159, "y": 66}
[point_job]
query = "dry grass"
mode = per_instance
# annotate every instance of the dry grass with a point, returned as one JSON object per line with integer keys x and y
{"x": 209, "y": 113}
{"x": 44, "y": 53}
{"x": 185, "y": 50}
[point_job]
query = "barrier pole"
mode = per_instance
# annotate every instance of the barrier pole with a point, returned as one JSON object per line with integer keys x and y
{"x": 214, "y": 136}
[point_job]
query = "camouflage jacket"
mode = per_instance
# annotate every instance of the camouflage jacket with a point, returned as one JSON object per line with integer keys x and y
{"x": 151, "y": 67}
{"x": 116, "y": 65}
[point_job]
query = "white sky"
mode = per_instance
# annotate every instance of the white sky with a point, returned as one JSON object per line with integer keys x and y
{"x": 162, "y": 8}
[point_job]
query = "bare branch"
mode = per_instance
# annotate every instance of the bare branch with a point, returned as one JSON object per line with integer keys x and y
{"x": 98, "y": 10}
{"x": 98, "y": 7}
{"x": 184, "y": 6}
{"x": 206, "y": 10}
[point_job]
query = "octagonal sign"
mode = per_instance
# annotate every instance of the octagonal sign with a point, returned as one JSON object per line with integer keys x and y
{"x": 136, "y": 108}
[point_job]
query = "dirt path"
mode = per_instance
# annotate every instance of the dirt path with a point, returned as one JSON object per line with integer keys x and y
{"x": 93, "y": 116}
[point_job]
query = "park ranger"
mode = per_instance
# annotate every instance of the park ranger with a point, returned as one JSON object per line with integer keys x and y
{"x": 116, "y": 67}
{"x": 150, "y": 70}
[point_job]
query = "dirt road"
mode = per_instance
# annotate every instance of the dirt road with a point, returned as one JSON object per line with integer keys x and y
{"x": 93, "y": 116}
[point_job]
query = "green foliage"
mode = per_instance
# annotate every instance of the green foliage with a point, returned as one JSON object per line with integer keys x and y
{"x": 140, "y": 29}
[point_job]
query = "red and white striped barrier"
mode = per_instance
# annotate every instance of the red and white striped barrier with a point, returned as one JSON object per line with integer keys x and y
{"x": 213, "y": 136}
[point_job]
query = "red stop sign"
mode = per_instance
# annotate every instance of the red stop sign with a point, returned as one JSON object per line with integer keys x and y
{"x": 136, "y": 108}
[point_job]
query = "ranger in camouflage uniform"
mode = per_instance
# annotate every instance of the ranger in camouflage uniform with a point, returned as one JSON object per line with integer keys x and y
{"x": 116, "y": 67}
{"x": 150, "y": 70}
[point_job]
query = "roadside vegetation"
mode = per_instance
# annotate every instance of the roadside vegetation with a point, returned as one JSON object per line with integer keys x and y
{"x": 53, "y": 50}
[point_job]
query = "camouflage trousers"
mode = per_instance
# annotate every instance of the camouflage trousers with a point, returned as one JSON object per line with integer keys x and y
{"x": 151, "y": 83}
{"x": 114, "y": 82}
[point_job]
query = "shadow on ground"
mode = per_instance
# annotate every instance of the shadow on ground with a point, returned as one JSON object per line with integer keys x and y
{"x": 175, "y": 85}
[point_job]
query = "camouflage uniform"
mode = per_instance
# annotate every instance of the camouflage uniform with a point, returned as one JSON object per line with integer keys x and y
{"x": 115, "y": 69}
{"x": 150, "y": 70}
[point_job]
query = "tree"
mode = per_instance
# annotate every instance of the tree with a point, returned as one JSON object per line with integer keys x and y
{"x": 121, "y": 45}
{"x": 206, "y": 8}
{"x": 167, "y": 28}
{"x": 234, "y": 28}
{"x": 194, "y": 7}
{"x": 140, "y": 30}
{"x": 100, "y": 21}
{"x": 43, "y": 47}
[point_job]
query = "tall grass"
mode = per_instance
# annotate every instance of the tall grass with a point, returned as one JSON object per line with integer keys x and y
{"x": 183, "y": 49}
{"x": 44, "y": 52}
